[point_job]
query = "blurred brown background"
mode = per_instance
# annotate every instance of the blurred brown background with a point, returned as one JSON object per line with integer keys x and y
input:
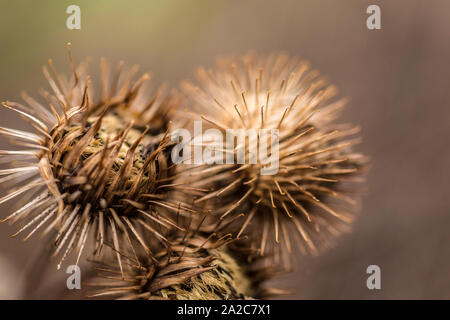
{"x": 398, "y": 79}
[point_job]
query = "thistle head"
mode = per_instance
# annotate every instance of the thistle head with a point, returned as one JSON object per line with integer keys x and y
{"x": 291, "y": 207}
{"x": 191, "y": 268}
{"x": 91, "y": 168}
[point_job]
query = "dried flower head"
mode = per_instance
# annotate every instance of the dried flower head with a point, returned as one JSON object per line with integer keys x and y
{"x": 191, "y": 268}
{"x": 92, "y": 167}
{"x": 290, "y": 208}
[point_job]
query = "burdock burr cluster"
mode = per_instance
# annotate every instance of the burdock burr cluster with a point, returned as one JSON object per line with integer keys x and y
{"x": 104, "y": 178}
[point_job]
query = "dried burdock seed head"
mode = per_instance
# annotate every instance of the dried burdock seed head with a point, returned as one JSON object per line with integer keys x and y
{"x": 292, "y": 207}
{"x": 191, "y": 268}
{"x": 92, "y": 167}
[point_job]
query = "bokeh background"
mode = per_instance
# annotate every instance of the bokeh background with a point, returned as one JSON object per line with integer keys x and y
{"x": 398, "y": 79}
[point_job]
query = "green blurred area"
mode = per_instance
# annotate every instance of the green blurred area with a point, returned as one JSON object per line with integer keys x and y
{"x": 141, "y": 31}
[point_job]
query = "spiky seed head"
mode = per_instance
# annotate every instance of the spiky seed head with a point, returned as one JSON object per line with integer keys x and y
{"x": 291, "y": 208}
{"x": 191, "y": 268}
{"x": 91, "y": 170}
